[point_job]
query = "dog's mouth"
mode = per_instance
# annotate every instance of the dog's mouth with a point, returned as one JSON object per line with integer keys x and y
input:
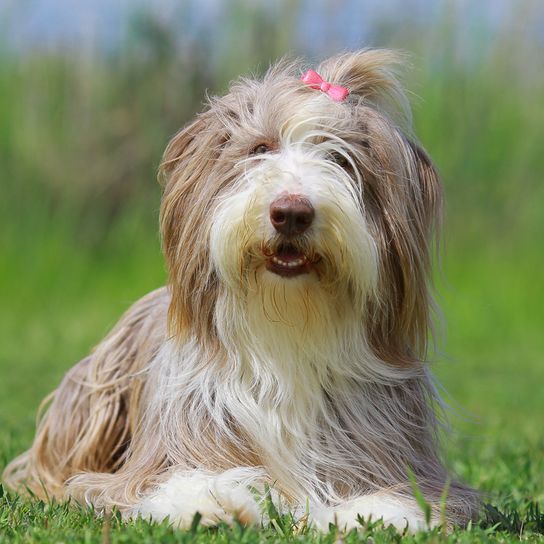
{"x": 288, "y": 261}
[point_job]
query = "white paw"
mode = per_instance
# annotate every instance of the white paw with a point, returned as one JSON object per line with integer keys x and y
{"x": 394, "y": 510}
{"x": 216, "y": 497}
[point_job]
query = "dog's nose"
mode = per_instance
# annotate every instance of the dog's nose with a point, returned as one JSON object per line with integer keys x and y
{"x": 291, "y": 214}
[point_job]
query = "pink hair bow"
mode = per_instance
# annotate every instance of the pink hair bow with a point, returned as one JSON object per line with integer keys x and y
{"x": 315, "y": 81}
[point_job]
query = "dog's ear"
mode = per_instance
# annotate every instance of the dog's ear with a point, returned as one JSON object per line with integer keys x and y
{"x": 189, "y": 175}
{"x": 372, "y": 75}
{"x": 406, "y": 218}
{"x": 428, "y": 188}
{"x": 184, "y": 145}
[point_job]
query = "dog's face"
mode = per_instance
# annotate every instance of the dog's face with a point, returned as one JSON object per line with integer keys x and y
{"x": 302, "y": 209}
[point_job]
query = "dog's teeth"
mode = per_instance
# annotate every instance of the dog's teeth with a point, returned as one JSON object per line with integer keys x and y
{"x": 291, "y": 264}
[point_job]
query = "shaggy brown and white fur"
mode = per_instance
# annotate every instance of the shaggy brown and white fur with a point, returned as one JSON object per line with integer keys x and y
{"x": 289, "y": 358}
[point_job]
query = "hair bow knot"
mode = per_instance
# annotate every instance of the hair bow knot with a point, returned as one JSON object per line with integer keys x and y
{"x": 315, "y": 81}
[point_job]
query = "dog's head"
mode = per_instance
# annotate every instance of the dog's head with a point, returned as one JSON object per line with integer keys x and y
{"x": 280, "y": 198}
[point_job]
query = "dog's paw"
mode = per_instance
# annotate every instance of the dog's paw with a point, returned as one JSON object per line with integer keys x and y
{"x": 401, "y": 512}
{"x": 216, "y": 497}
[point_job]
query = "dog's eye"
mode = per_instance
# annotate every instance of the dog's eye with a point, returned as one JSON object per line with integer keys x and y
{"x": 260, "y": 149}
{"x": 339, "y": 159}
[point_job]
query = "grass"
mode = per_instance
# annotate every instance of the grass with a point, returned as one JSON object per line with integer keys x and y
{"x": 46, "y": 522}
{"x": 80, "y": 142}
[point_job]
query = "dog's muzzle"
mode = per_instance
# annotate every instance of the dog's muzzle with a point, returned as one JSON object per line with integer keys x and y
{"x": 291, "y": 215}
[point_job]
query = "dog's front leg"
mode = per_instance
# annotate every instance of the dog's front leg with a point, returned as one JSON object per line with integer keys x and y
{"x": 216, "y": 497}
{"x": 398, "y": 510}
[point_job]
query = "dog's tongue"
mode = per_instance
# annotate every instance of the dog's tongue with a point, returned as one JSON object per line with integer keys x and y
{"x": 289, "y": 253}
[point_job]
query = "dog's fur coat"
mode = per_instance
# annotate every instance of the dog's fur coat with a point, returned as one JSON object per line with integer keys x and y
{"x": 235, "y": 376}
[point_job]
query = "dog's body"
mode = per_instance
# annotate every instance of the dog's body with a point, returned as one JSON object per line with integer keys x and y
{"x": 288, "y": 348}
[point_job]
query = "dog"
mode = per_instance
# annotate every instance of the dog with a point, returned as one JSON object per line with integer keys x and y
{"x": 286, "y": 357}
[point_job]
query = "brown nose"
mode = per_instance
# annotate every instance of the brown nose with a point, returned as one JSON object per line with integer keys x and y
{"x": 291, "y": 214}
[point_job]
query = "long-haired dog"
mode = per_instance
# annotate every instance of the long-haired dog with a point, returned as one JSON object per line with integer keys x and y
{"x": 288, "y": 350}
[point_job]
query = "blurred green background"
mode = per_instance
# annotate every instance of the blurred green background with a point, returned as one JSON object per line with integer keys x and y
{"x": 88, "y": 103}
